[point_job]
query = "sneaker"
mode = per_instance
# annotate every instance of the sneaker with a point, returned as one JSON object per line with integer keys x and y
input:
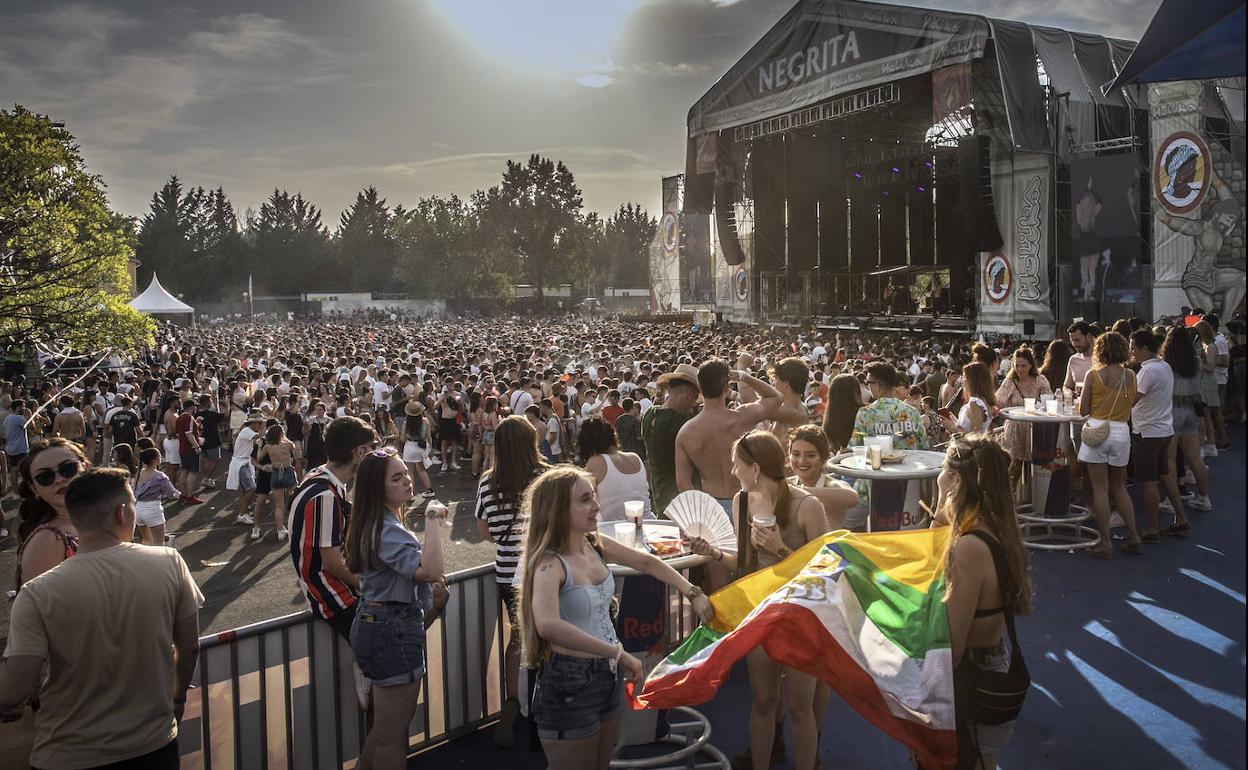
{"x": 1201, "y": 503}
{"x": 244, "y": 518}
{"x": 210, "y": 483}
{"x": 444, "y": 467}
{"x": 1185, "y": 495}
{"x": 1165, "y": 507}
{"x": 283, "y": 534}
{"x": 1189, "y": 479}
{"x": 3, "y": 533}
{"x": 504, "y": 733}
{"x": 255, "y": 534}
{"x": 1208, "y": 450}
{"x": 428, "y": 493}
{"x": 1115, "y": 520}
{"x": 454, "y": 466}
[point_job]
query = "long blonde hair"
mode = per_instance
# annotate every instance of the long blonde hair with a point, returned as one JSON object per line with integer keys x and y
{"x": 984, "y": 495}
{"x": 545, "y": 513}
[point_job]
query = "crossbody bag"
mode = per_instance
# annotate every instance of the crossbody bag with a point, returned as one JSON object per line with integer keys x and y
{"x": 1096, "y": 435}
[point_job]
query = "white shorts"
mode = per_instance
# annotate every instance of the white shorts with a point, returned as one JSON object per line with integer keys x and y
{"x": 1116, "y": 450}
{"x": 412, "y": 453}
{"x": 149, "y": 513}
{"x": 169, "y": 448}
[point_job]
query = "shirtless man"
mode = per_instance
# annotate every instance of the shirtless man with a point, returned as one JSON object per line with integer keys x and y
{"x": 791, "y": 378}
{"x": 704, "y": 444}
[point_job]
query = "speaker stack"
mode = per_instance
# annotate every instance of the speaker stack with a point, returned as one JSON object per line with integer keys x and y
{"x": 975, "y": 175}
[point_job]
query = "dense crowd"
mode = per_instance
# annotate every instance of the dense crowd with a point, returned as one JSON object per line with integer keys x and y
{"x": 330, "y": 428}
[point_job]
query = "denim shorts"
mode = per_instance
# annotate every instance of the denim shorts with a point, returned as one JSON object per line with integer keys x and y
{"x": 389, "y": 642}
{"x": 574, "y": 696}
{"x": 284, "y": 478}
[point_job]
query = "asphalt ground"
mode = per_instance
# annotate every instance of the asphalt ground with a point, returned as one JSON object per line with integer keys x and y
{"x": 243, "y": 581}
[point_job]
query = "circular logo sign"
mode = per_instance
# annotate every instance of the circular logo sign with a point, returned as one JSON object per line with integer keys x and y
{"x": 742, "y": 283}
{"x": 671, "y": 232}
{"x": 997, "y": 278}
{"x": 1181, "y": 172}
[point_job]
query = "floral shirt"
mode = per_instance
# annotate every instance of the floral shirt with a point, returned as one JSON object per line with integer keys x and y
{"x": 891, "y": 417}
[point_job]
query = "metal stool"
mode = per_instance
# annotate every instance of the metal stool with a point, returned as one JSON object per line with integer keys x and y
{"x": 692, "y": 738}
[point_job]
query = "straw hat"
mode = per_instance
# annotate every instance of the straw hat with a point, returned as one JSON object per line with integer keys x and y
{"x": 684, "y": 372}
{"x": 414, "y": 408}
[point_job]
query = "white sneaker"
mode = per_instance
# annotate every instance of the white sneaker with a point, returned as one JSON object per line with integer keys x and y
{"x": 1165, "y": 507}
{"x": 428, "y": 493}
{"x": 444, "y": 467}
{"x": 1189, "y": 479}
{"x": 210, "y": 483}
{"x": 1208, "y": 450}
{"x": 1115, "y": 520}
{"x": 1202, "y": 503}
{"x": 255, "y": 534}
{"x": 283, "y": 534}
{"x": 245, "y": 518}
{"x": 1185, "y": 496}
{"x": 454, "y": 466}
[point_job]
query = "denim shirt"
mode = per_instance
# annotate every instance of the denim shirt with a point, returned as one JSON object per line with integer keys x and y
{"x": 399, "y": 555}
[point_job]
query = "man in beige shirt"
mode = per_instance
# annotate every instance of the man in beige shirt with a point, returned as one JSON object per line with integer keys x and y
{"x": 117, "y": 626}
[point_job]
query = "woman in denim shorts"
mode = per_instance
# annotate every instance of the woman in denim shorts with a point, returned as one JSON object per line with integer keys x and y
{"x": 396, "y": 600}
{"x": 565, "y": 619}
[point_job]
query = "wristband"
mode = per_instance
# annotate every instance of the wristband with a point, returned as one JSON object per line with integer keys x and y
{"x": 619, "y": 653}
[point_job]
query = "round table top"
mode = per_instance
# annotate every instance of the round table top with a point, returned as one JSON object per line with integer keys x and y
{"x": 917, "y": 464}
{"x": 678, "y": 563}
{"x": 1022, "y": 415}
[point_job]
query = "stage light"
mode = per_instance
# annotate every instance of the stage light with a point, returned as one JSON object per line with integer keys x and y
{"x": 929, "y": 164}
{"x": 886, "y": 193}
{"x": 922, "y": 189}
{"x": 857, "y": 175}
{"x": 896, "y": 170}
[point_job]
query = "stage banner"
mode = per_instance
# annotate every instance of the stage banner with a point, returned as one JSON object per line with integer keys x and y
{"x": 665, "y": 251}
{"x": 823, "y": 48}
{"x": 1105, "y": 237}
{"x": 1014, "y": 280}
{"x": 1198, "y": 195}
{"x": 1024, "y": 98}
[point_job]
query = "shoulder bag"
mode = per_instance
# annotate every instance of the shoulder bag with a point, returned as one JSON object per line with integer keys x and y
{"x": 1094, "y": 436}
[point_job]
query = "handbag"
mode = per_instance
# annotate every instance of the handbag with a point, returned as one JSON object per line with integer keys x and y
{"x": 990, "y": 697}
{"x": 1096, "y": 435}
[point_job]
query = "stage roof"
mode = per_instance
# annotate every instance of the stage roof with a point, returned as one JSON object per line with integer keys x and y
{"x": 826, "y": 48}
{"x": 156, "y": 301}
{"x": 1188, "y": 41}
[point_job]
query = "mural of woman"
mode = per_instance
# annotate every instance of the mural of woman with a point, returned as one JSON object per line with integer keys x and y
{"x": 1090, "y": 248}
{"x": 1204, "y": 278}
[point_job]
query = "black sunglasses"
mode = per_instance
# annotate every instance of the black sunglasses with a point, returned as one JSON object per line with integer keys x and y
{"x": 67, "y": 469}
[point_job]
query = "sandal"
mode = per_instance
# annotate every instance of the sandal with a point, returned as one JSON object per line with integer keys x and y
{"x": 1151, "y": 537}
{"x": 1105, "y": 552}
{"x": 1136, "y": 548}
{"x": 1176, "y": 530}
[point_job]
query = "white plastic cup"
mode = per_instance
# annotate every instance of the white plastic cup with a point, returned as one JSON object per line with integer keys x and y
{"x": 886, "y": 444}
{"x": 1029, "y": 404}
{"x": 634, "y": 510}
{"x": 624, "y": 532}
{"x": 764, "y": 520}
{"x": 860, "y": 454}
{"x": 1051, "y": 407}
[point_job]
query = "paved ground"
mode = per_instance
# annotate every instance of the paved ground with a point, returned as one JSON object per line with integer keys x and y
{"x": 1136, "y": 663}
{"x": 245, "y": 582}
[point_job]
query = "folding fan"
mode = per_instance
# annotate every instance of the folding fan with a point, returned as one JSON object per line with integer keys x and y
{"x": 700, "y": 515}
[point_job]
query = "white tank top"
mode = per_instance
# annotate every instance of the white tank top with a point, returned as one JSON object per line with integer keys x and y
{"x": 618, "y": 487}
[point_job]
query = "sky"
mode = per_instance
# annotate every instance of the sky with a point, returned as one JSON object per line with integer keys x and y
{"x": 415, "y": 97}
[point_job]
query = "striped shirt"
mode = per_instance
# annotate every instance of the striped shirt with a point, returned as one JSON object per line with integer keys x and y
{"x": 506, "y": 529}
{"x": 318, "y": 519}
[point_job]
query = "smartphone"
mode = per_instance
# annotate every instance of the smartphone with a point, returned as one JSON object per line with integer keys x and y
{"x": 944, "y": 412}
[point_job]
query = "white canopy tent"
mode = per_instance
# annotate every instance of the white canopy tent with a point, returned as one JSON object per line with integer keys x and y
{"x": 156, "y": 301}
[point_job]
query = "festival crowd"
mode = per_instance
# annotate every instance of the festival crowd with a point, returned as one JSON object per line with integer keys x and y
{"x": 329, "y": 430}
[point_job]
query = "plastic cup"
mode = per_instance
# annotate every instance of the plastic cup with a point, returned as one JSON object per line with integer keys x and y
{"x": 875, "y": 455}
{"x": 1029, "y": 404}
{"x": 764, "y": 520}
{"x": 886, "y": 444}
{"x": 624, "y": 532}
{"x": 1051, "y": 407}
{"x": 634, "y": 510}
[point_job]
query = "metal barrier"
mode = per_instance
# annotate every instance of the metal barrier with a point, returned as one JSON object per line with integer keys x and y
{"x": 281, "y": 693}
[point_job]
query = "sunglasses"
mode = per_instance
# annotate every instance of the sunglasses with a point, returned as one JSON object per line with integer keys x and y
{"x": 385, "y": 451}
{"x": 68, "y": 470}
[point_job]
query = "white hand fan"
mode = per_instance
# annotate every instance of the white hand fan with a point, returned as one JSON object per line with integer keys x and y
{"x": 700, "y": 515}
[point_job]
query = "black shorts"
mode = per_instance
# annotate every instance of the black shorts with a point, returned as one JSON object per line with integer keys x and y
{"x": 190, "y": 461}
{"x": 15, "y": 460}
{"x": 448, "y": 429}
{"x": 164, "y": 758}
{"x": 1151, "y": 457}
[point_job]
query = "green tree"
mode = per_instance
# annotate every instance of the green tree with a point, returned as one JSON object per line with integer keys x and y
{"x": 292, "y": 251}
{"x": 164, "y": 245}
{"x": 366, "y": 249}
{"x": 64, "y": 256}
{"x": 442, "y": 250}
{"x": 541, "y": 217}
{"x": 626, "y": 245}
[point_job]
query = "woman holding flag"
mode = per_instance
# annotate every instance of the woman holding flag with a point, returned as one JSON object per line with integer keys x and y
{"x": 566, "y": 632}
{"x": 781, "y": 517}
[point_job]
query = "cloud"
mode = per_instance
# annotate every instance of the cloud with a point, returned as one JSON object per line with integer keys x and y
{"x": 595, "y": 80}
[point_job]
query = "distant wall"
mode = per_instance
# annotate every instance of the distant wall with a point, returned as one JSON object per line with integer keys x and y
{"x": 350, "y": 304}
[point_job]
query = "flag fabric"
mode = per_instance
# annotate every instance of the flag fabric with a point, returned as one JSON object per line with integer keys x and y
{"x": 865, "y": 613}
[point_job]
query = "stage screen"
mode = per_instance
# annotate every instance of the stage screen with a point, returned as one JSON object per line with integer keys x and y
{"x": 1105, "y": 235}
{"x": 695, "y": 259}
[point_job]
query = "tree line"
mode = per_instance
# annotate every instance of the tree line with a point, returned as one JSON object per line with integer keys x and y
{"x": 531, "y": 228}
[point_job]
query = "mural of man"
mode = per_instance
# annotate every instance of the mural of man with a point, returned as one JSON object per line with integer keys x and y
{"x": 1204, "y": 278}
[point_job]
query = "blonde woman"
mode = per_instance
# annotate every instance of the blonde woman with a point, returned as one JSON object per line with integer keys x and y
{"x": 565, "y": 619}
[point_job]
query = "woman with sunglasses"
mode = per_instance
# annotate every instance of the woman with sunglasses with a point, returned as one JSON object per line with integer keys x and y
{"x": 396, "y": 594}
{"x": 46, "y": 534}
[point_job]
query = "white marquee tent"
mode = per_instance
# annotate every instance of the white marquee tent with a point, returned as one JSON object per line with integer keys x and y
{"x": 156, "y": 301}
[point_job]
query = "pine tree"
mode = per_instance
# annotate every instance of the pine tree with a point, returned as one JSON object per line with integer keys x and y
{"x": 366, "y": 250}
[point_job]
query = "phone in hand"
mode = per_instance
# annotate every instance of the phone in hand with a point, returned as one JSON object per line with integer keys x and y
{"x": 945, "y": 412}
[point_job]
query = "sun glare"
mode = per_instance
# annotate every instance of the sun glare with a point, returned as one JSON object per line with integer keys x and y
{"x": 548, "y": 37}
